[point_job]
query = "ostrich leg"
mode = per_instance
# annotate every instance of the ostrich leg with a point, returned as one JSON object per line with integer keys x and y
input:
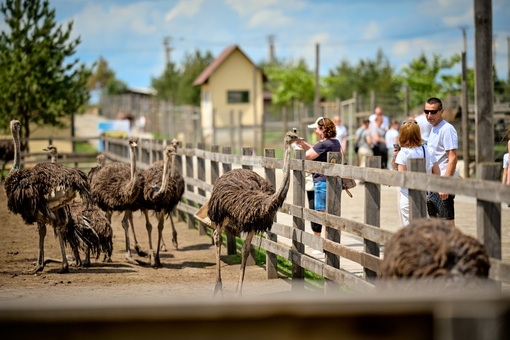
{"x": 148, "y": 226}
{"x": 60, "y": 226}
{"x": 125, "y": 225}
{"x": 218, "y": 287}
{"x": 155, "y": 262}
{"x": 138, "y": 249}
{"x": 174, "y": 233}
{"x": 245, "y": 254}
{"x": 41, "y": 228}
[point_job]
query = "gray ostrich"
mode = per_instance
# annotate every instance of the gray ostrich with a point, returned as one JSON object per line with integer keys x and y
{"x": 433, "y": 249}
{"x": 89, "y": 222}
{"x": 163, "y": 189}
{"x": 42, "y": 194}
{"x": 115, "y": 187}
{"x": 6, "y": 154}
{"x": 247, "y": 203}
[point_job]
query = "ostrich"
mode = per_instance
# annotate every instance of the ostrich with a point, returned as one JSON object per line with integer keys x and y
{"x": 433, "y": 249}
{"x": 6, "y": 154}
{"x": 89, "y": 222}
{"x": 115, "y": 187}
{"x": 247, "y": 203}
{"x": 163, "y": 189}
{"x": 42, "y": 194}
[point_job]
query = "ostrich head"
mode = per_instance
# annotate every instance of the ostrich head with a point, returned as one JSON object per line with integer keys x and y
{"x": 101, "y": 160}
{"x": 51, "y": 150}
{"x": 291, "y": 137}
{"x": 176, "y": 144}
{"x": 15, "y": 126}
{"x": 133, "y": 142}
{"x": 169, "y": 151}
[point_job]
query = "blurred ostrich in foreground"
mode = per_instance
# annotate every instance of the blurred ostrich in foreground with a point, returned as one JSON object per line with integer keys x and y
{"x": 90, "y": 222}
{"x": 248, "y": 203}
{"x": 42, "y": 194}
{"x": 433, "y": 249}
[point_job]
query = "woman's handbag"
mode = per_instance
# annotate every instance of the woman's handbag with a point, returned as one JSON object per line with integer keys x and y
{"x": 435, "y": 205}
{"x": 347, "y": 183}
{"x": 309, "y": 182}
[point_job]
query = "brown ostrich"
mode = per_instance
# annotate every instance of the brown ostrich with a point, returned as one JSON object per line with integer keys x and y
{"x": 115, "y": 187}
{"x": 6, "y": 155}
{"x": 433, "y": 249}
{"x": 163, "y": 189}
{"x": 89, "y": 223}
{"x": 41, "y": 195}
{"x": 247, "y": 203}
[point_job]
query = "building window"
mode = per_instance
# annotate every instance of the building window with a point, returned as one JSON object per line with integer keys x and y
{"x": 235, "y": 97}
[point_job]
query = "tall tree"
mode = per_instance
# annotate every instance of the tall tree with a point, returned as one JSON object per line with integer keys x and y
{"x": 192, "y": 66}
{"x": 37, "y": 84}
{"x": 425, "y": 78}
{"x": 167, "y": 85}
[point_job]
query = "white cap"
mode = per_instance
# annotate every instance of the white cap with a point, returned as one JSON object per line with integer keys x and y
{"x": 314, "y": 125}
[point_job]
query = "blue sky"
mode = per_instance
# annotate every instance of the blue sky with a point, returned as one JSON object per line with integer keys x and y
{"x": 129, "y": 34}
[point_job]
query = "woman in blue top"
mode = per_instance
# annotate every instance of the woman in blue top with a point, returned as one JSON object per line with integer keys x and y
{"x": 325, "y": 130}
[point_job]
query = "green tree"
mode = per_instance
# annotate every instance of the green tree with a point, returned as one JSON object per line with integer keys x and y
{"x": 290, "y": 81}
{"x": 37, "y": 85}
{"x": 167, "y": 85}
{"x": 425, "y": 78}
{"x": 192, "y": 66}
{"x": 103, "y": 79}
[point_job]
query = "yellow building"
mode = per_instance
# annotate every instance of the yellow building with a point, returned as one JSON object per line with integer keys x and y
{"x": 231, "y": 86}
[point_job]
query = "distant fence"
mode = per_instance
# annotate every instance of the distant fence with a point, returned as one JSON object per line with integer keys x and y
{"x": 489, "y": 194}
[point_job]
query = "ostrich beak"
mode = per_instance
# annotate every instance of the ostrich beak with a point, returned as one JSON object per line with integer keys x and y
{"x": 45, "y": 149}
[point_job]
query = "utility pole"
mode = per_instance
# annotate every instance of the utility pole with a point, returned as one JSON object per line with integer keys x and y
{"x": 270, "y": 40}
{"x": 484, "y": 91}
{"x": 317, "y": 95}
{"x": 464, "y": 104}
{"x": 168, "y": 49}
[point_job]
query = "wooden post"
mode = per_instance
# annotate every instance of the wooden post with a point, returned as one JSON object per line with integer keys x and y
{"x": 484, "y": 82}
{"x": 239, "y": 129}
{"x": 190, "y": 188}
{"x": 372, "y": 213}
{"x": 316, "y": 100}
{"x": 271, "y": 258}
{"x": 178, "y": 167}
{"x": 250, "y": 261}
{"x": 231, "y": 130}
{"x": 333, "y": 207}
{"x": 284, "y": 120}
{"x": 373, "y": 101}
{"x": 465, "y": 117}
{"x": 231, "y": 239}
{"x": 417, "y": 198}
{"x": 201, "y": 176}
{"x": 298, "y": 199}
{"x": 488, "y": 214}
{"x": 406, "y": 101}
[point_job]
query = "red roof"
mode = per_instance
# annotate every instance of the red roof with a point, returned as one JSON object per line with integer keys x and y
{"x": 204, "y": 76}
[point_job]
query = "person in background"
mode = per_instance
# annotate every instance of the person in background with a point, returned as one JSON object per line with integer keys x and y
{"x": 379, "y": 112}
{"x": 411, "y": 146}
{"x": 425, "y": 127}
{"x": 341, "y": 132}
{"x": 391, "y": 138}
{"x": 443, "y": 144}
{"x": 325, "y": 131}
{"x": 379, "y": 148}
{"x": 365, "y": 143}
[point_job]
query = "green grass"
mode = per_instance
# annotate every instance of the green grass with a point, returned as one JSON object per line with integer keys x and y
{"x": 84, "y": 147}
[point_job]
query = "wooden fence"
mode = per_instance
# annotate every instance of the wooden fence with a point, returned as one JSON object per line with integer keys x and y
{"x": 196, "y": 163}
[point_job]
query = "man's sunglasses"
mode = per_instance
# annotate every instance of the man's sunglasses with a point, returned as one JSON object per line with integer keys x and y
{"x": 432, "y": 112}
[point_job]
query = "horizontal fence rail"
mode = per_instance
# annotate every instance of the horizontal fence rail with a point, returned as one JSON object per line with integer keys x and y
{"x": 485, "y": 191}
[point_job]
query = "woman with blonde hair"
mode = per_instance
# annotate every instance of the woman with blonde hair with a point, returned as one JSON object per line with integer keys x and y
{"x": 411, "y": 147}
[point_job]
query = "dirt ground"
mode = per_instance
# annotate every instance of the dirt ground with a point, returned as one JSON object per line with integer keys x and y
{"x": 189, "y": 270}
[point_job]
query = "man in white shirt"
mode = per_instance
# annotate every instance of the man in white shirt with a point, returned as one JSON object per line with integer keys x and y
{"x": 425, "y": 127}
{"x": 341, "y": 132}
{"x": 379, "y": 112}
{"x": 443, "y": 144}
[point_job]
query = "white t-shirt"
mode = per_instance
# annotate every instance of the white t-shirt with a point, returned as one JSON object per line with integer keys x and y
{"x": 390, "y": 136}
{"x": 406, "y": 153}
{"x": 341, "y": 133}
{"x": 425, "y": 127}
{"x": 505, "y": 161}
{"x": 385, "y": 122}
{"x": 443, "y": 137}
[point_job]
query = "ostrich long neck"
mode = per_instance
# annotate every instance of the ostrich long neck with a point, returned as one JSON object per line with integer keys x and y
{"x": 281, "y": 193}
{"x": 17, "y": 152}
{"x": 166, "y": 176}
{"x": 134, "y": 179}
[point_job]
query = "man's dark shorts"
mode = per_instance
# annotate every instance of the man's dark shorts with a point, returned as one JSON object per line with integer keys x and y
{"x": 449, "y": 207}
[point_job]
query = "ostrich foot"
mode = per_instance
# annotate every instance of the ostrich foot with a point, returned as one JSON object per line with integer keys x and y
{"x": 174, "y": 242}
{"x": 139, "y": 251}
{"x": 86, "y": 263}
{"x": 218, "y": 287}
{"x": 107, "y": 259}
{"x": 163, "y": 246}
{"x": 33, "y": 271}
{"x": 64, "y": 269}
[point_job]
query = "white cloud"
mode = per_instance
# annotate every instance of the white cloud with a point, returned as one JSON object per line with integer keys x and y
{"x": 186, "y": 8}
{"x": 464, "y": 18}
{"x": 269, "y": 19}
{"x": 251, "y": 7}
{"x": 371, "y": 31}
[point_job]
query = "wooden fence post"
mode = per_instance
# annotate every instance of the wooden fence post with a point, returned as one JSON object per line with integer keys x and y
{"x": 231, "y": 239}
{"x": 417, "y": 198}
{"x": 333, "y": 207}
{"x": 191, "y": 188}
{"x": 271, "y": 258}
{"x": 372, "y": 213}
{"x": 488, "y": 214}
{"x": 178, "y": 167}
{"x": 250, "y": 261}
{"x": 201, "y": 176}
{"x": 298, "y": 199}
